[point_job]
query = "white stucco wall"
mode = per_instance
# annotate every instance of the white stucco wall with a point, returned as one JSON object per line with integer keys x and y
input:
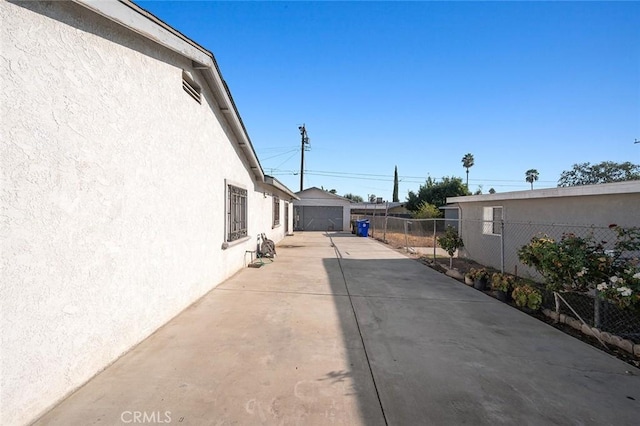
{"x": 112, "y": 197}
{"x": 261, "y": 220}
{"x": 525, "y": 218}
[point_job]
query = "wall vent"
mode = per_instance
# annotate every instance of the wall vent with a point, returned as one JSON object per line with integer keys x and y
{"x": 191, "y": 87}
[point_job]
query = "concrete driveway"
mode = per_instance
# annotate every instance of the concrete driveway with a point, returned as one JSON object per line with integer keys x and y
{"x": 343, "y": 330}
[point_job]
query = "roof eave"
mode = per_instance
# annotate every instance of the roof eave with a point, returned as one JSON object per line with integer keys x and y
{"x": 628, "y": 187}
{"x": 154, "y": 29}
{"x": 270, "y": 180}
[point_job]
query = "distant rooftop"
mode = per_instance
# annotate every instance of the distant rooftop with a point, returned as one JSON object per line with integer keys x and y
{"x": 628, "y": 187}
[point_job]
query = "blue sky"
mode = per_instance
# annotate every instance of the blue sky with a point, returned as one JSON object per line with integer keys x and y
{"x": 417, "y": 85}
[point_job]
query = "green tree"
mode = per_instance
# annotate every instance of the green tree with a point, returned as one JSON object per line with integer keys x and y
{"x": 372, "y": 198}
{"x": 395, "y": 186}
{"x": 604, "y": 172}
{"x": 426, "y": 211}
{"x": 492, "y": 191}
{"x": 531, "y": 176}
{"x": 354, "y": 198}
{"x": 451, "y": 242}
{"x": 436, "y": 193}
{"x": 467, "y": 162}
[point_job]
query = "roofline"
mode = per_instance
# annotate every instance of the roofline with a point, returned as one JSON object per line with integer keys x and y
{"x": 627, "y": 187}
{"x": 320, "y": 189}
{"x": 384, "y": 205}
{"x": 270, "y": 180}
{"x": 154, "y": 29}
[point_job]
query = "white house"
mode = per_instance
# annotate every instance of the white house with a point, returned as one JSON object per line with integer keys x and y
{"x": 130, "y": 188}
{"x": 495, "y": 226}
{"x": 320, "y": 210}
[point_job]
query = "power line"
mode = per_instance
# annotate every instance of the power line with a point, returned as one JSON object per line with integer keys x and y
{"x": 288, "y": 158}
{"x": 371, "y": 179}
{"x": 276, "y": 148}
{"x": 414, "y": 177}
{"x": 294, "y": 150}
{"x": 388, "y": 178}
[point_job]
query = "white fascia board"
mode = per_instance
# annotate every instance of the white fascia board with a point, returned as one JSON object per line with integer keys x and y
{"x": 133, "y": 17}
{"x": 628, "y": 187}
{"x": 270, "y": 180}
{"x": 326, "y": 194}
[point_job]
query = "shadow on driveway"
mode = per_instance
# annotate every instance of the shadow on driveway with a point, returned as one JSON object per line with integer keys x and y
{"x": 443, "y": 353}
{"x": 348, "y": 331}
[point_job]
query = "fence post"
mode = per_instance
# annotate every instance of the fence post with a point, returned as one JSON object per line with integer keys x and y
{"x": 435, "y": 243}
{"x": 373, "y": 221}
{"x": 502, "y": 246}
{"x": 406, "y": 238}
{"x": 386, "y": 218}
{"x": 597, "y": 304}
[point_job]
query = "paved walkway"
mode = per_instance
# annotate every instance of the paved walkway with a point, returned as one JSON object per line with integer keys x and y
{"x": 344, "y": 330}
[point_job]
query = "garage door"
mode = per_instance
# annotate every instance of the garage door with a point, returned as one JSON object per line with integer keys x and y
{"x": 319, "y": 218}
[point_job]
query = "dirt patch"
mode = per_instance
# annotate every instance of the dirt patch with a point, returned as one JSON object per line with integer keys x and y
{"x": 398, "y": 239}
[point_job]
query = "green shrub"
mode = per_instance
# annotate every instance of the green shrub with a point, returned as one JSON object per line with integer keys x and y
{"x": 451, "y": 242}
{"x": 527, "y": 296}
{"x": 427, "y": 211}
{"x": 502, "y": 282}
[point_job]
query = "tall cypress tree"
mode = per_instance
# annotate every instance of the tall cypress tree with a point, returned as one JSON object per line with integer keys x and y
{"x": 395, "y": 186}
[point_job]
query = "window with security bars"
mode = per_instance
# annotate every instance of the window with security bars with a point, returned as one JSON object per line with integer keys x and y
{"x": 237, "y": 213}
{"x": 276, "y": 210}
{"x": 492, "y": 217}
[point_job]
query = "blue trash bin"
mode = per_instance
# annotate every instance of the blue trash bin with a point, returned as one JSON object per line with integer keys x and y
{"x": 358, "y": 227}
{"x": 363, "y": 228}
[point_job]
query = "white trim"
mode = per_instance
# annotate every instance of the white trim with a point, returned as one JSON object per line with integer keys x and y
{"x": 275, "y": 183}
{"x": 147, "y": 25}
{"x": 489, "y": 223}
{"x": 629, "y": 187}
{"x": 133, "y": 17}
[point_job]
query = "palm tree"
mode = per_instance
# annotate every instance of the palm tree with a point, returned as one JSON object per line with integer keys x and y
{"x": 532, "y": 176}
{"x": 467, "y": 161}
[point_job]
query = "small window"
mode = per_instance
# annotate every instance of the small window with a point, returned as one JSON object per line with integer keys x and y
{"x": 190, "y": 86}
{"x": 236, "y": 213}
{"x": 492, "y": 220}
{"x": 276, "y": 210}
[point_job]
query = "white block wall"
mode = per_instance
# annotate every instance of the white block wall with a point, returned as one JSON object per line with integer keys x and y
{"x": 112, "y": 197}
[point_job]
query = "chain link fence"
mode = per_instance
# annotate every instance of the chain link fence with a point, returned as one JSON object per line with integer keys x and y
{"x": 495, "y": 245}
{"x": 418, "y": 236}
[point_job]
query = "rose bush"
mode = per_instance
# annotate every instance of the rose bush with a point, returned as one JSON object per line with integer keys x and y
{"x": 570, "y": 264}
{"x": 623, "y": 288}
{"x": 581, "y": 264}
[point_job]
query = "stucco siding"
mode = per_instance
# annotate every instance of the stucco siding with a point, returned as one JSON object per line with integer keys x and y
{"x": 593, "y": 210}
{"x": 113, "y": 197}
{"x": 525, "y": 218}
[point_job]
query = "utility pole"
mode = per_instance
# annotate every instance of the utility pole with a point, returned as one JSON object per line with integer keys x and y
{"x": 305, "y": 141}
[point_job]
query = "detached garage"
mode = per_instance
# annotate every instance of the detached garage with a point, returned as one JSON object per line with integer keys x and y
{"x": 319, "y": 210}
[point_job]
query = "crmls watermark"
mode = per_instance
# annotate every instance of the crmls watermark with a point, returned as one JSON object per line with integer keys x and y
{"x": 155, "y": 417}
